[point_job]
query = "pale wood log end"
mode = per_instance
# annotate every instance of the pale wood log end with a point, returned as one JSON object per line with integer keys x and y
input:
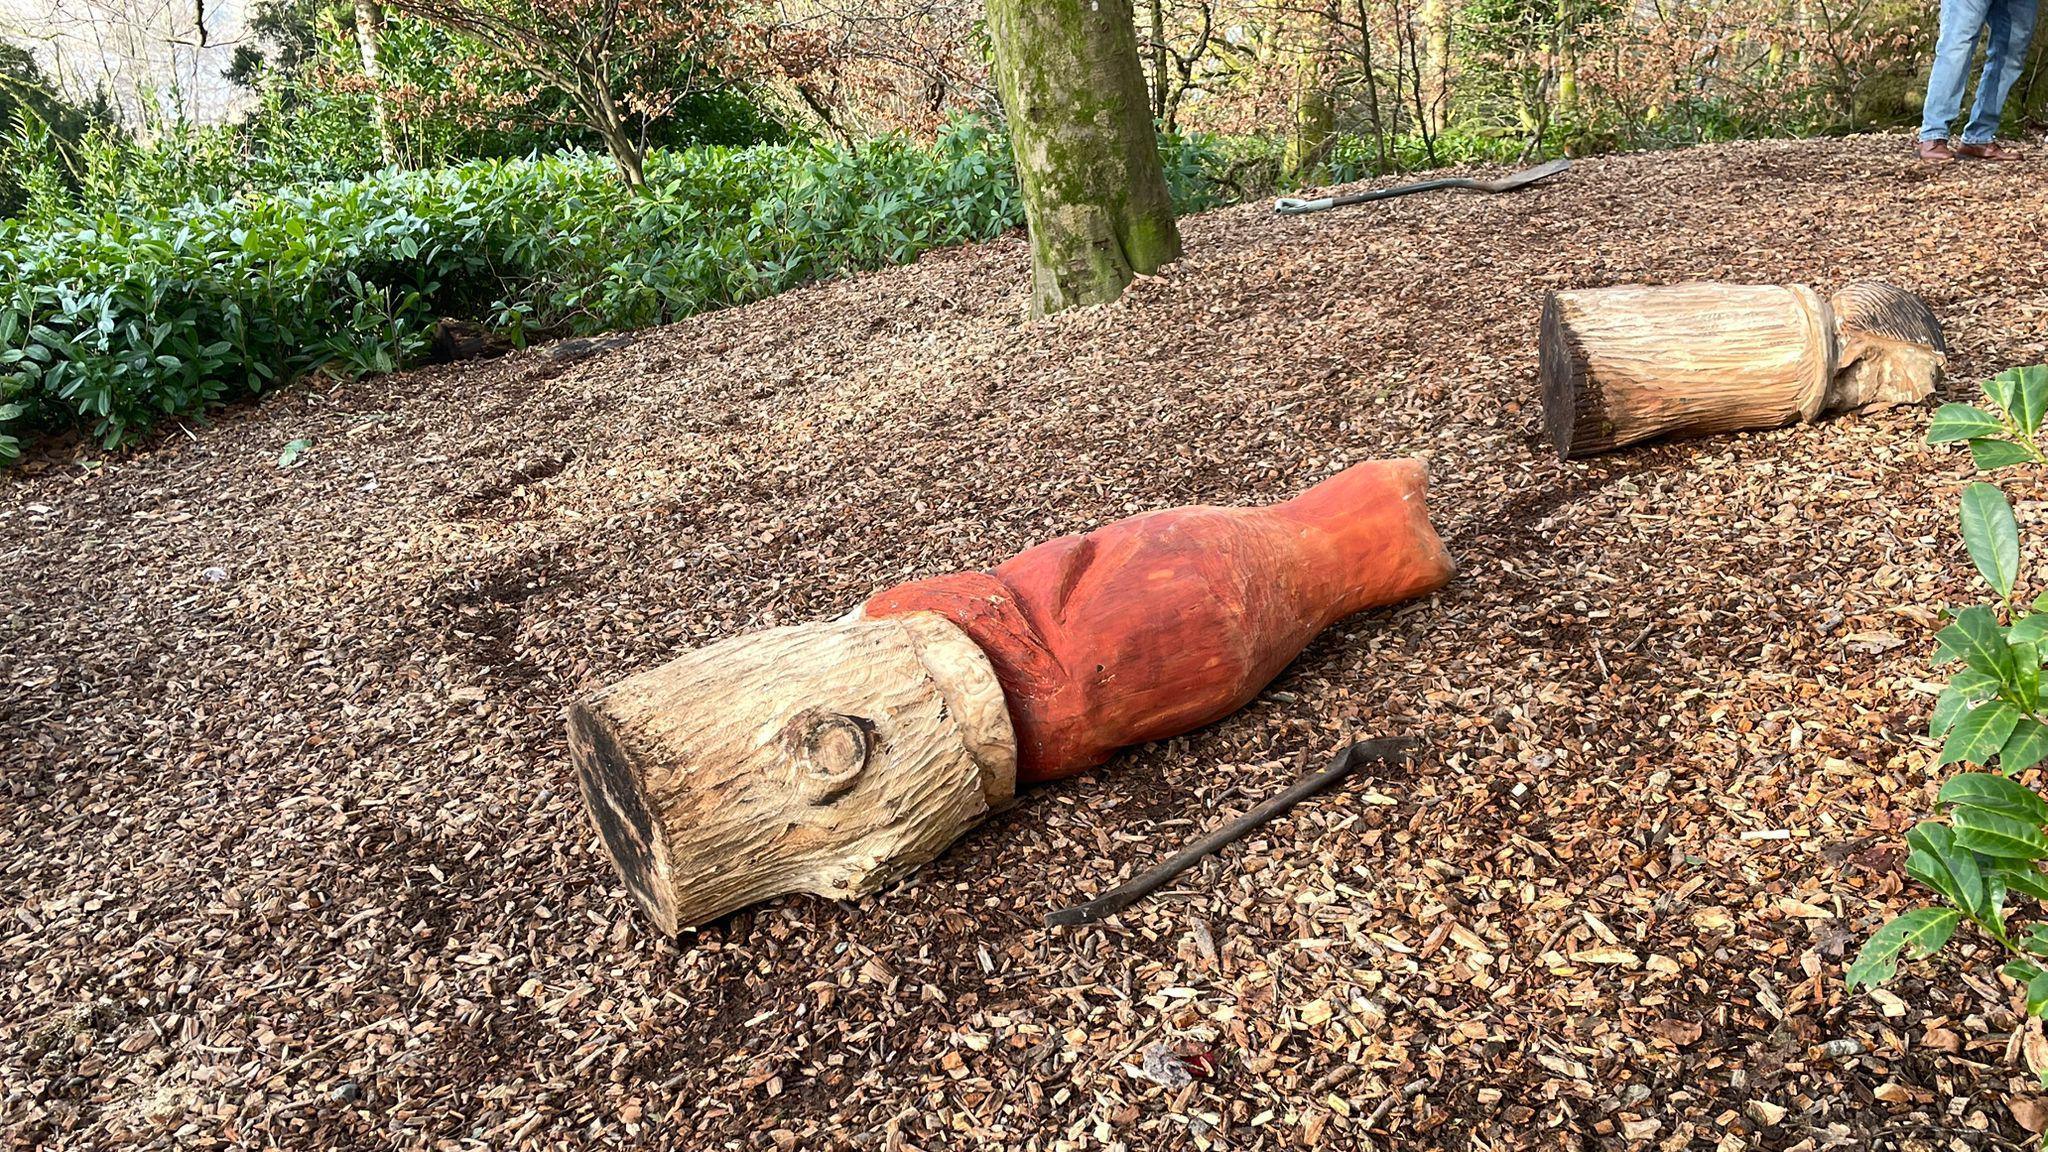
{"x": 829, "y": 758}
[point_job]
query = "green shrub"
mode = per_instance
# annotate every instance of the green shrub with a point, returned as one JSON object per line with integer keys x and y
{"x": 1991, "y": 713}
{"x": 112, "y": 320}
{"x": 1353, "y": 157}
{"x": 1205, "y": 171}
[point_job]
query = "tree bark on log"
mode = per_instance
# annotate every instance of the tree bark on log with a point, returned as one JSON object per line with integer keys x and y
{"x": 1095, "y": 196}
{"x": 835, "y": 757}
{"x": 1628, "y": 364}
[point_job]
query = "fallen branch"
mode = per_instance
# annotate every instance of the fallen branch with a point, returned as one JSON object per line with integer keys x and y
{"x": 1408, "y": 1091}
{"x": 1123, "y": 896}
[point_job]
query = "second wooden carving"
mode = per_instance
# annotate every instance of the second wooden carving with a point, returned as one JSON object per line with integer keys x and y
{"x": 1622, "y": 365}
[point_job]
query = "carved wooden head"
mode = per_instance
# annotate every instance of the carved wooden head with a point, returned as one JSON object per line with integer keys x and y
{"x": 1889, "y": 348}
{"x": 829, "y": 758}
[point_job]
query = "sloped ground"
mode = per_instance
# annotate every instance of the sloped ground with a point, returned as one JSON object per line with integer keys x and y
{"x": 292, "y": 855}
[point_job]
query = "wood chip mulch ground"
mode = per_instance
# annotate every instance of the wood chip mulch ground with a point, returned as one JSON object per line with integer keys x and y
{"x": 292, "y": 854}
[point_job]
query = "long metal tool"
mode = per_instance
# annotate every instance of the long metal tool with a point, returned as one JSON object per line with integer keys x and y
{"x": 1341, "y": 765}
{"x": 1288, "y": 206}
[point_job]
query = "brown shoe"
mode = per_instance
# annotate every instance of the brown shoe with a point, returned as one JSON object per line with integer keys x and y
{"x": 1991, "y": 150}
{"x": 1935, "y": 152}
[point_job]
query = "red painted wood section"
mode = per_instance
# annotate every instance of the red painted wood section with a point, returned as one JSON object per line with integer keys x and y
{"x": 1159, "y": 624}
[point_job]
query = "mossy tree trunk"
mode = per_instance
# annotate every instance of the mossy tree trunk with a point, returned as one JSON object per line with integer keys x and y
{"x": 1314, "y": 121}
{"x": 1315, "y": 116}
{"x": 1087, "y": 158}
{"x": 1567, "y": 55}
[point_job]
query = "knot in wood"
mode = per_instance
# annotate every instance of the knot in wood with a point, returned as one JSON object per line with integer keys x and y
{"x": 827, "y": 752}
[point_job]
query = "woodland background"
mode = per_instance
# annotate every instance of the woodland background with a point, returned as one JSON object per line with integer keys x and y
{"x": 551, "y": 167}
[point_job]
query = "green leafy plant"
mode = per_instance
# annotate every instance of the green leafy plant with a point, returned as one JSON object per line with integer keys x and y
{"x": 113, "y": 319}
{"x": 2006, "y": 433}
{"x": 1992, "y": 830}
{"x": 10, "y": 446}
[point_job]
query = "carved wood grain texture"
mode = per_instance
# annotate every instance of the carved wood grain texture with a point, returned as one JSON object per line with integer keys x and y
{"x": 829, "y": 758}
{"x": 1626, "y": 364}
{"x": 1889, "y": 348}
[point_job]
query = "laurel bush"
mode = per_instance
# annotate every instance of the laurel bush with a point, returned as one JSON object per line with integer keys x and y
{"x": 112, "y": 320}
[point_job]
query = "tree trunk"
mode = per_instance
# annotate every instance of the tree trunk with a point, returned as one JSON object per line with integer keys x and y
{"x": 611, "y": 127}
{"x": 1094, "y": 193}
{"x": 626, "y": 153}
{"x": 834, "y": 757}
{"x": 1423, "y": 125}
{"x": 1567, "y": 54}
{"x": 1314, "y": 117}
{"x": 1372, "y": 87}
{"x": 1160, "y": 80}
{"x": 1315, "y": 114}
{"x": 369, "y": 39}
{"x": 1436, "y": 19}
{"x": 1623, "y": 365}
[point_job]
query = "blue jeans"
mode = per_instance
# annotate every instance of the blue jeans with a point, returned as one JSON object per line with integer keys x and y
{"x": 2008, "y": 25}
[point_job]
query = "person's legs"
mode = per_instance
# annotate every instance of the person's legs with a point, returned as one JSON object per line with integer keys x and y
{"x": 2011, "y": 24}
{"x": 1961, "y": 21}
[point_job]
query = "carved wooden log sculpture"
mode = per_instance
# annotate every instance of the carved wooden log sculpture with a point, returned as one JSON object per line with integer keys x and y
{"x": 1622, "y": 365}
{"x": 835, "y": 757}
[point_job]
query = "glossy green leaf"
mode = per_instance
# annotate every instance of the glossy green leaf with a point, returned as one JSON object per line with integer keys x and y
{"x": 1993, "y": 793}
{"x": 1953, "y": 422}
{"x": 1991, "y": 536}
{"x": 2029, "y": 629}
{"x": 1965, "y": 691}
{"x": 1976, "y": 685}
{"x": 1920, "y": 933}
{"x": 1992, "y": 834}
{"x": 1980, "y": 733}
{"x": 1949, "y": 708}
{"x": 1988, "y": 454}
{"x": 1938, "y": 876}
{"x": 1937, "y": 862}
{"x": 2026, "y": 673}
{"x": 1976, "y": 639}
{"x": 2022, "y": 877}
{"x": 2029, "y": 392}
{"x": 2025, "y": 747}
{"x": 2003, "y": 390}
